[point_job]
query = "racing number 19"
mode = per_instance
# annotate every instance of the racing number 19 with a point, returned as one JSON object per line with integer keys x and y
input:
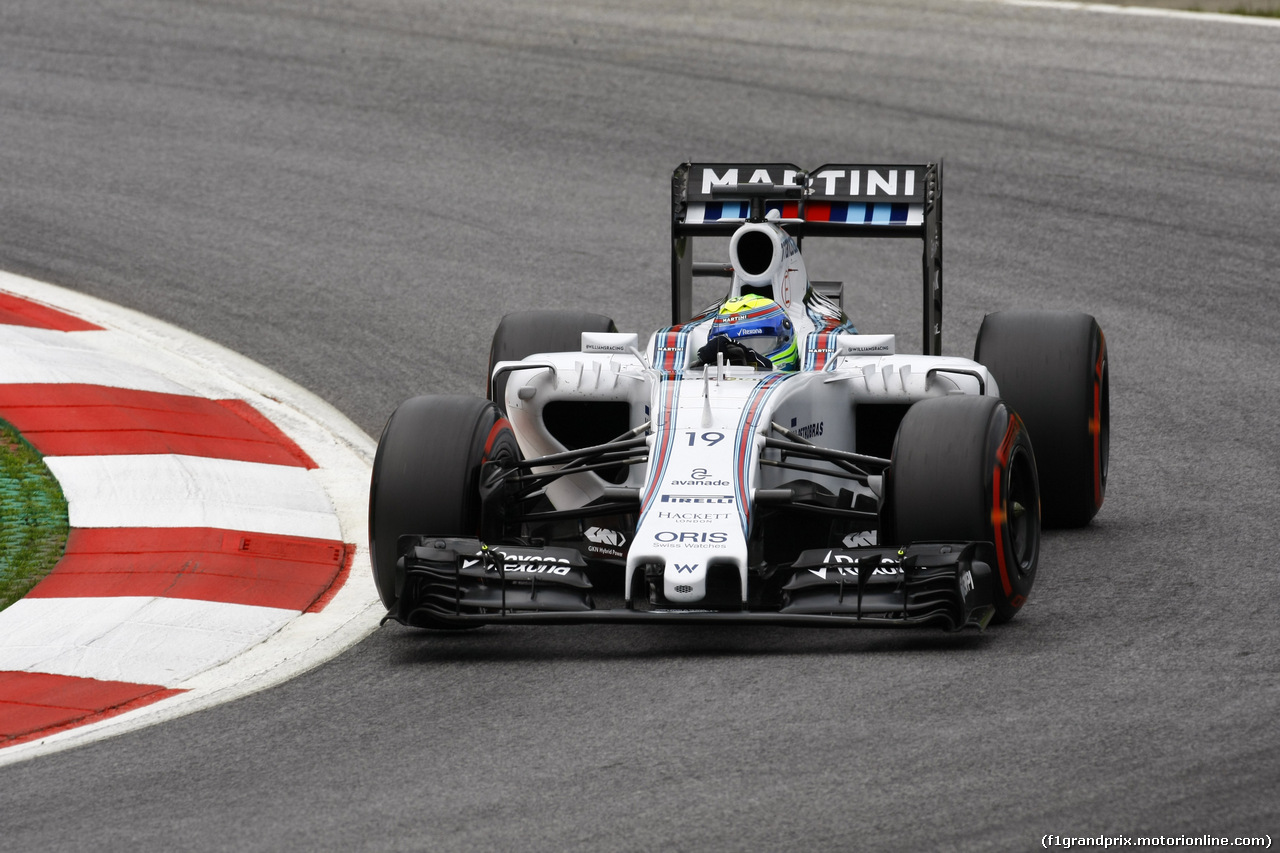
{"x": 710, "y": 439}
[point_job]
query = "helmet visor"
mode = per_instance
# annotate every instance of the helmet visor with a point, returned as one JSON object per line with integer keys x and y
{"x": 763, "y": 344}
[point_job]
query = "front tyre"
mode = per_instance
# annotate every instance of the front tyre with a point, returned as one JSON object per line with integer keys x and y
{"x": 426, "y": 476}
{"x": 520, "y": 334}
{"x": 1052, "y": 368}
{"x": 963, "y": 471}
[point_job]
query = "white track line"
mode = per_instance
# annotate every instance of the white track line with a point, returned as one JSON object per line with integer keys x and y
{"x": 1142, "y": 11}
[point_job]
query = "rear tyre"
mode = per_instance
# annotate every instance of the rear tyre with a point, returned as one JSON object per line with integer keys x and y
{"x": 963, "y": 471}
{"x": 523, "y": 333}
{"x": 426, "y": 476}
{"x": 1051, "y": 367}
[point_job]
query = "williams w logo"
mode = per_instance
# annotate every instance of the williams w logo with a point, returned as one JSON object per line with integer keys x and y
{"x": 684, "y": 567}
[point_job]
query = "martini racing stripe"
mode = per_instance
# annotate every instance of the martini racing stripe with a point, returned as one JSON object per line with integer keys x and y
{"x": 848, "y": 212}
{"x": 664, "y": 440}
{"x": 745, "y": 445}
{"x": 858, "y": 213}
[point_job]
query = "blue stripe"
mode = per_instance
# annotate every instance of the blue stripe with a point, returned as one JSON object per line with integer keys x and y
{"x": 880, "y": 215}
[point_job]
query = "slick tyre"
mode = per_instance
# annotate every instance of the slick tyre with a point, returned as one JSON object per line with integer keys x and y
{"x": 1051, "y": 367}
{"x": 523, "y": 333}
{"x": 963, "y": 471}
{"x": 426, "y": 476}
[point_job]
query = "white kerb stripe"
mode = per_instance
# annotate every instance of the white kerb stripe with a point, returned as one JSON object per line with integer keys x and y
{"x": 140, "y": 640}
{"x": 41, "y": 356}
{"x": 166, "y": 490}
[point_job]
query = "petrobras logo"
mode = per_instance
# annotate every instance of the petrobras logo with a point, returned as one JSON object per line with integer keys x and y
{"x": 609, "y": 342}
{"x": 809, "y": 430}
{"x": 697, "y": 499}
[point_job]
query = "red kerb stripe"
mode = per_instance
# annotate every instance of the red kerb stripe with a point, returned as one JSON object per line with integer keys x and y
{"x": 204, "y": 564}
{"x": 16, "y": 311}
{"x": 37, "y": 704}
{"x": 96, "y": 420}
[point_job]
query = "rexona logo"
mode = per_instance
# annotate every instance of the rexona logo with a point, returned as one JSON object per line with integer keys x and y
{"x": 887, "y": 566}
{"x": 690, "y": 536}
{"x": 601, "y": 536}
{"x": 684, "y": 568}
{"x": 534, "y": 564}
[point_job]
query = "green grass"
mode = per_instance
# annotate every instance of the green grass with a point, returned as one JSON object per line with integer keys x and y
{"x": 33, "y": 517}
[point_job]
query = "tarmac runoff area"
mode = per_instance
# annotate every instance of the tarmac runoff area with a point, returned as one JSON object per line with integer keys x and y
{"x": 217, "y": 514}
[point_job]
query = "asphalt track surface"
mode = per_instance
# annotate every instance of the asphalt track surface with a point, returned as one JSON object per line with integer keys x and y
{"x": 352, "y": 193}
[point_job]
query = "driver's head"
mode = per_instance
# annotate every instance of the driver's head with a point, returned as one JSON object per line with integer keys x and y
{"x": 759, "y": 323}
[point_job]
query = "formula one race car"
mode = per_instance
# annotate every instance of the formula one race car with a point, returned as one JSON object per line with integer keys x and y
{"x": 760, "y": 461}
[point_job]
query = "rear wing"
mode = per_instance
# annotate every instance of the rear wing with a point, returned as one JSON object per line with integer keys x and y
{"x": 835, "y": 200}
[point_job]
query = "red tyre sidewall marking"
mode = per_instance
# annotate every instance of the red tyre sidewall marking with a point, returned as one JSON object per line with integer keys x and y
{"x": 494, "y": 432}
{"x": 997, "y": 503}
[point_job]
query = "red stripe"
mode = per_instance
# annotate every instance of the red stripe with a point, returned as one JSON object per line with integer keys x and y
{"x": 997, "y": 503}
{"x": 37, "y": 704}
{"x": 96, "y": 420}
{"x": 818, "y": 211}
{"x": 204, "y": 564}
{"x": 15, "y": 311}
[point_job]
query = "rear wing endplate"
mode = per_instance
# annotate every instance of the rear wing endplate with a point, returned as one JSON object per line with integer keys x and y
{"x": 834, "y": 200}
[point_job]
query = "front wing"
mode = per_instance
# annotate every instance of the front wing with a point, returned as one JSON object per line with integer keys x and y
{"x": 457, "y": 582}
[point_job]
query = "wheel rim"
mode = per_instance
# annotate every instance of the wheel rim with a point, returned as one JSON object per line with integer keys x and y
{"x": 1022, "y": 511}
{"x": 1104, "y": 430}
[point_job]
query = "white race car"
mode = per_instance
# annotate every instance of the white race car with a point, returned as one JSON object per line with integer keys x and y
{"x": 760, "y": 461}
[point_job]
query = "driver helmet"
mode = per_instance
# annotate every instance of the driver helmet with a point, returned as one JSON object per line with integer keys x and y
{"x": 759, "y": 323}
